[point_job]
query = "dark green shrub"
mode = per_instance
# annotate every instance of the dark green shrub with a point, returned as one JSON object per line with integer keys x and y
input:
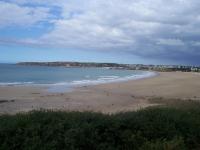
{"x": 162, "y": 128}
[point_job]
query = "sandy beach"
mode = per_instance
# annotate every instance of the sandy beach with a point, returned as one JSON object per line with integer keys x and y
{"x": 106, "y": 98}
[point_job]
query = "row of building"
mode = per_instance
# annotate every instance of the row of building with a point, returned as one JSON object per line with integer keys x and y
{"x": 118, "y": 66}
{"x": 165, "y": 68}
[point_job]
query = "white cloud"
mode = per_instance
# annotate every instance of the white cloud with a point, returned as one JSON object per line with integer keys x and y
{"x": 15, "y": 15}
{"x": 195, "y": 43}
{"x": 115, "y": 23}
{"x": 170, "y": 42}
{"x": 142, "y": 27}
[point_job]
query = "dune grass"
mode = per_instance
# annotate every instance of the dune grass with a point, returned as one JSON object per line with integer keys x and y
{"x": 168, "y": 127}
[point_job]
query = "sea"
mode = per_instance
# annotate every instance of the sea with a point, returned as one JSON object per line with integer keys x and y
{"x": 59, "y": 79}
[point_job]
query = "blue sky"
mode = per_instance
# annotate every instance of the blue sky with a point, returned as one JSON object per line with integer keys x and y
{"x": 122, "y": 31}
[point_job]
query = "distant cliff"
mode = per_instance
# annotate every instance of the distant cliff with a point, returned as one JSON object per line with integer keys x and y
{"x": 73, "y": 64}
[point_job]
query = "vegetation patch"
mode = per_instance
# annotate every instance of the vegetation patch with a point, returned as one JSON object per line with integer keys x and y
{"x": 6, "y": 101}
{"x": 176, "y": 103}
{"x": 154, "y": 128}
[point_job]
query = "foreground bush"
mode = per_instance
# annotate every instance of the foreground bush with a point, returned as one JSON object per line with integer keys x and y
{"x": 161, "y": 128}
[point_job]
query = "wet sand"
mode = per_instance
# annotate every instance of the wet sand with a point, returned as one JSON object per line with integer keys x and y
{"x": 106, "y": 98}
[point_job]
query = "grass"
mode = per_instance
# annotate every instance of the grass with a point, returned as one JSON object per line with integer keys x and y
{"x": 173, "y": 126}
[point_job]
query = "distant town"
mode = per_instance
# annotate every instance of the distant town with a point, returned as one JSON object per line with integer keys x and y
{"x": 162, "y": 68}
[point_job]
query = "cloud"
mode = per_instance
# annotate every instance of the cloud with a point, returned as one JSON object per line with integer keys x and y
{"x": 196, "y": 43}
{"x": 15, "y": 15}
{"x": 170, "y": 42}
{"x": 158, "y": 29}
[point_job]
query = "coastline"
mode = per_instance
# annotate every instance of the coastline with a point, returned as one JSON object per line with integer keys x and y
{"x": 67, "y": 87}
{"x": 61, "y": 87}
{"x": 107, "y": 98}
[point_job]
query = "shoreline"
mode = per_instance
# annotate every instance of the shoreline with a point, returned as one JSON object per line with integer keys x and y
{"x": 106, "y": 98}
{"x": 61, "y": 87}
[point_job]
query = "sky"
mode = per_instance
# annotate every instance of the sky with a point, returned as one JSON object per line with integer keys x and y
{"x": 121, "y": 31}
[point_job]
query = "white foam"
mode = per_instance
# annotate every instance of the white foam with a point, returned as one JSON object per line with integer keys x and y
{"x": 110, "y": 79}
{"x": 100, "y": 80}
{"x": 15, "y": 83}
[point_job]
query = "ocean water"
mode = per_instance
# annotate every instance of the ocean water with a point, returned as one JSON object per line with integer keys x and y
{"x": 59, "y": 78}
